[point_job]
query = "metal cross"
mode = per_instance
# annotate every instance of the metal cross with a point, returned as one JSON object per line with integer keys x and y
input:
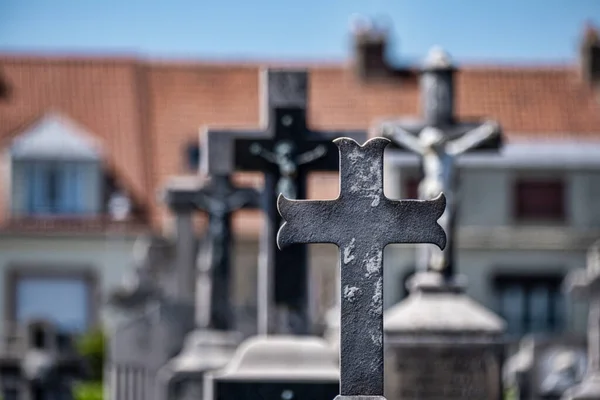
{"x": 286, "y": 151}
{"x": 361, "y": 222}
{"x": 585, "y": 284}
{"x": 438, "y": 139}
{"x": 218, "y": 199}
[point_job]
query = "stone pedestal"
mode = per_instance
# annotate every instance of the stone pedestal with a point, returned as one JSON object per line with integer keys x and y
{"x": 442, "y": 344}
{"x": 182, "y": 377}
{"x": 277, "y": 367}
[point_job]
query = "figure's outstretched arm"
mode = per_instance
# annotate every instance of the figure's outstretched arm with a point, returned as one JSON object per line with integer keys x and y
{"x": 473, "y": 138}
{"x": 260, "y": 151}
{"x": 402, "y": 137}
{"x": 241, "y": 198}
{"x": 206, "y": 202}
{"x": 312, "y": 155}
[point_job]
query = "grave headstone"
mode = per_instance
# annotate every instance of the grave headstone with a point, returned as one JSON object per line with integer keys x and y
{"x": 441, "y": 343}
{"x": 361, "y": 222}
{"x": 41, "y": 363}
{"x": 286, "y": 151}
{"x": 585, "y": 284}
{"x": 213, "y": 342}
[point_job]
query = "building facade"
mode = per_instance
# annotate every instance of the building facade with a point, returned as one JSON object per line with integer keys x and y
{"x": 89, "y": 142}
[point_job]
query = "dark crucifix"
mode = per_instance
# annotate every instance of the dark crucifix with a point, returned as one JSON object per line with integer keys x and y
{"x": 438, "y": 139}
{"x": 361, "y": 222}
{"x": 218, "y": 199}
{"x": 286, "y": 151}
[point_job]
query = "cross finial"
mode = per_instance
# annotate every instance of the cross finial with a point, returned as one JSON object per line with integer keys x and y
{"x": 361, "y": 221}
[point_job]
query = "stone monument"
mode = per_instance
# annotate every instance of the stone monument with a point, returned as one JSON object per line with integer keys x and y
{"x": 442, "y": 343}
{"x": 212, "y": 343}
{"x": 361, "y": 222}
{"x": 586, "y": 284}
{"x": 286, "y": 151}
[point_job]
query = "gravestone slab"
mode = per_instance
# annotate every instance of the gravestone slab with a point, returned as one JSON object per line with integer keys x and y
{"x": 445, "y": 344}
{"x": 278, "y": 367}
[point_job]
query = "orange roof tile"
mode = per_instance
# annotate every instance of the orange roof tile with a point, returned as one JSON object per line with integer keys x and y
{"x": 146, "y": 113}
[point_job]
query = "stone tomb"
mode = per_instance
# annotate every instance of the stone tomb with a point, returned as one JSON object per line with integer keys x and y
{"x": 442, "y": 345}
{"x": 259, "y": 371}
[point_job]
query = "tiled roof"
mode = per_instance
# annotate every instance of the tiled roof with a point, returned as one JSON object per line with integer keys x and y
{"x": 147, "y": 113}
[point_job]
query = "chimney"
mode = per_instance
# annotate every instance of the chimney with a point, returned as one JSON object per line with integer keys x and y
{"x": 370, "y": 42}
{"x": 590, "y": 56}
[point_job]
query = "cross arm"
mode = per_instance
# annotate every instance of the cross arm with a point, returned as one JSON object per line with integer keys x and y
{"x": 305, "y": 221}
{"x": 394, "y": 131}
{"x": 219, "y": 145}
{"x": 244, "y": 198}
{"x": 474, "y": 138}
{"x": 414, "y": 221}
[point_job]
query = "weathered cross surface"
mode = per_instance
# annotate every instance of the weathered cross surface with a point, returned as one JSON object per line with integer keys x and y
{"x": 361, "y": 222}
{"x": 439, "y": 139}
{"x": 218, "y": 198}
{"x": 286, "y": 151}
{"x": 585, "y": 284}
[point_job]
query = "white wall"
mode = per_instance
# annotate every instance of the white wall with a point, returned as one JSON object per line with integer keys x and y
{"x": 109, "y": 257}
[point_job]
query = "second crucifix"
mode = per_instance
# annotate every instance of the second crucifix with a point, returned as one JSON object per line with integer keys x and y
{"x": 285, "y": 152}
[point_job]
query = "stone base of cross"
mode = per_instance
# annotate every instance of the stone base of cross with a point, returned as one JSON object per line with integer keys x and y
{"x": 203, "y": 351}
{"x": 360, "y": 398}
{"x": 442, "y": 344}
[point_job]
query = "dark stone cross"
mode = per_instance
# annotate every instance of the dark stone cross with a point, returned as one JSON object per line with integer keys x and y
{"x": 361, "y": 222}
{"x": 218, "y": 199}
{"x": 439, "y": 139}
{"x": 286, "y": 152}
{"x": 585, "y": 284}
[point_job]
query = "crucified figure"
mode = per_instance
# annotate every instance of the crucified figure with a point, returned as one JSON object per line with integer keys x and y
{"x": 438, "y": 154}
{"x": 284, "y": 157}
{"x": 213, "y": 272}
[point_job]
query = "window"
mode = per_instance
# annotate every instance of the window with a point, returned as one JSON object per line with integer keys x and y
{"x": 193, "y": 157}
{"x": 540, "y": 200}
{"x": 410, "y": 188}
{"x": 61, "y": 298}
{"x": 530, "y": 304}
{"x": 55, "y": 187}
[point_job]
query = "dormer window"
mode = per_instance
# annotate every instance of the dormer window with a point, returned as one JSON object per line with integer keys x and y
{"x": 55, "y": 187}
{"x": 55, "y": 171}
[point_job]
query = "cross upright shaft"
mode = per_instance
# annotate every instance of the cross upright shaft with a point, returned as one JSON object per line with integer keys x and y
{"x": 361, "y": 222}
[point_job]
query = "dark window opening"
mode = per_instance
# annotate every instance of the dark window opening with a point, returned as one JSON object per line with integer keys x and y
{"x": 411, "y": 188}
{"x": 39, "y": 338}
{"x": 540, "y": 200}
{"x": 193, "y": 157}
{"x": 530, "y": 304}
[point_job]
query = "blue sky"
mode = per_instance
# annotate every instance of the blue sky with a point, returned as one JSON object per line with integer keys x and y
{"x": 473, "y": 30}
